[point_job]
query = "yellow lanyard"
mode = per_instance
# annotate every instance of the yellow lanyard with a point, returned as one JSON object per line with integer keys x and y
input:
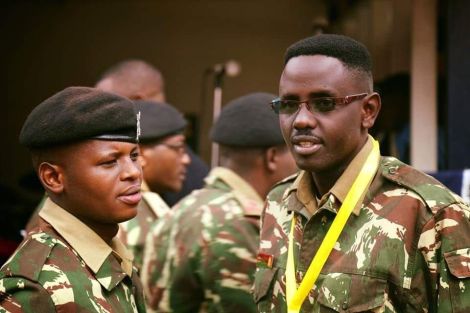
{"x": 295, "y": 297}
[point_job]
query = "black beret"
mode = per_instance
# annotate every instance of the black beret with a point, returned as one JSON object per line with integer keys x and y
{"x": 248, "y": 121}
{"x": 159, "y": 120}
{"x": 78, "y": 113}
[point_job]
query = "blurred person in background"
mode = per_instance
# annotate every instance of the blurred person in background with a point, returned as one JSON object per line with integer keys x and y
{"x": 201, "y": 257}
{"x": 139, "y": 80}
{"x": 164, "y": 164}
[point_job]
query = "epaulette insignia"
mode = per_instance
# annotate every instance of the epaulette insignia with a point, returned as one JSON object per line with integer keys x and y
{"x": 264, "y": 260}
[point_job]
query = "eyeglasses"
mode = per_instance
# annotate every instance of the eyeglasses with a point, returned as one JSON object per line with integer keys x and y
{"x": 314, "y": 105}
{"x": 179, "y": 148}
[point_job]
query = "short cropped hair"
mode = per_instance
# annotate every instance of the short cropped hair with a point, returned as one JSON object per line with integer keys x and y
{"x": 242, "y": 158}
{"x": 131, "y": 78}
{"x": 353, "y": 54}
{"x": 126, "y": 68}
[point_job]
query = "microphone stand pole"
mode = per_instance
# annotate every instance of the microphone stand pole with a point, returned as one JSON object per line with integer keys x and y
{"x": 217, "y": 106}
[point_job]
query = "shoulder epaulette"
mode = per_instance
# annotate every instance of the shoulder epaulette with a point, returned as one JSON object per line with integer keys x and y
{"x": 30, "y": 256}
{"x": 155, "y": 203}
{"x": 288, "y": 179}
{"x": 432, "y": 192}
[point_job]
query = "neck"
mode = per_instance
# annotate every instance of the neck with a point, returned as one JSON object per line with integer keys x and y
{"x": 257, "y": 182}
{"x": 325, "y": 180}
{"x": 254, "y": 179}
{"x": 106, "y": 231}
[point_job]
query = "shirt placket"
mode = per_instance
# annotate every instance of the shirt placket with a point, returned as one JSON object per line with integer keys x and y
{"x": 310, "y": 237}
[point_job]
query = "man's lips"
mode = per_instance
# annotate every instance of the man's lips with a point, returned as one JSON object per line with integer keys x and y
{"x": 182, "y": 175}
{"x": 131, "y": 195}
{"x": 305, "y": 144}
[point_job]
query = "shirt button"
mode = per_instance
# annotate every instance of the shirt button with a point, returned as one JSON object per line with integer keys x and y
{"x": 344, "y": 306}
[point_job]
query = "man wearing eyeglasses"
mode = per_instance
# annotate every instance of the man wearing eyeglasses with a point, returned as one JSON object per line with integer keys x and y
{"x": 164, "y": 163}
{"x": 353, "y": 231}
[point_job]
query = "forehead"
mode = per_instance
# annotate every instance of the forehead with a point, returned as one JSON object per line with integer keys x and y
{"x": 174, "y": 138}
{"x": 317, "y": 73}
{"x": 92, "y": 147}
{"x": 80, "y": 152}
{"x": 106, "y": 84}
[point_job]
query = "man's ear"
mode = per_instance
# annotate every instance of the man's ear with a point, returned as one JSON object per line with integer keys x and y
{"x": 52, "y": 177}
{"x": 270, "y": 157}
{"x": 370, "y": 110}
{"x": 137, "y": 96}
{"x": 145, "y": 153}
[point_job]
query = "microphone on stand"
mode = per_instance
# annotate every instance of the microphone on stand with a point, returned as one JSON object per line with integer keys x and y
{"x": 231, "y": 68}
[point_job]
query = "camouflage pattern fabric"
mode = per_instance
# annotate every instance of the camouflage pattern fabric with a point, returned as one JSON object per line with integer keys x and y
{"x": 47, "y": 275}
{"x": 201, "y": 257}
{"x": 407, "y": 250}
{"x": 134, "y": 232}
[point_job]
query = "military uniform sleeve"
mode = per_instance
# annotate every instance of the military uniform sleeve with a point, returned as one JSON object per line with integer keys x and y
{"x": 184, "y": 290}
{"x": 18, "y": 294}
{"x": 217, "y": 270}
{"x": 155, "y": 269}
{"x": 228, "y": 265}
{"x": 445, "y": 244}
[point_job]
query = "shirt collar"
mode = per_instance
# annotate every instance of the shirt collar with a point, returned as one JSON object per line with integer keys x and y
{"x": 242, "y": 190}
{"x": 155, "y": 203}
{"x": 144, "y": 186}
{"x": 344, "y": 183}
{"x": 92, "y": 248}
{"x": 304, "y": 186}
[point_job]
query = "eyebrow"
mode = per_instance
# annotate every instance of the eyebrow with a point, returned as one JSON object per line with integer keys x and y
{"x": 179, "y": 140}
{"x": 321, "y": 94}
{"x": 315, "y": 94}
{"x": 116, "y": 153}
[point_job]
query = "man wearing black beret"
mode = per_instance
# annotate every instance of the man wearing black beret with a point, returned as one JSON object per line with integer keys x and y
{"x": 202, "y": 254}
{"x": 84, "y": 149}
{"x": 164, "y": 161}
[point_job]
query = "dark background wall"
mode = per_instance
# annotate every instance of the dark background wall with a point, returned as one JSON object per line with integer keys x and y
{"x": 458, "y": 80}
{"x": 49, "y": 45}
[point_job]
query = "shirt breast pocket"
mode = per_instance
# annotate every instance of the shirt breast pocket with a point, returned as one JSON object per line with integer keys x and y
{"x": 459, "y": 263}
{"x": 340, "y": 292}
{"x": 454, "y": 287}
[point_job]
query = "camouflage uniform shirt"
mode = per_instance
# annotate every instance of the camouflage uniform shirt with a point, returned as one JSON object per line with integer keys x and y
{"x": 133, "y": 232}
{"x": 63, "y": 266}
{"x": 405, "y": 248}
{"x": 203, "y": 255}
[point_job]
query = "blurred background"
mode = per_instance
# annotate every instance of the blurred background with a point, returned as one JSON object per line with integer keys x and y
{"x": 419, "y": 48}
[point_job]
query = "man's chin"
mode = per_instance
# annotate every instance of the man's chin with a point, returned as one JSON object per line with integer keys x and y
{"x": 167, "y": 189}
{"x": 309, "y": 166}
